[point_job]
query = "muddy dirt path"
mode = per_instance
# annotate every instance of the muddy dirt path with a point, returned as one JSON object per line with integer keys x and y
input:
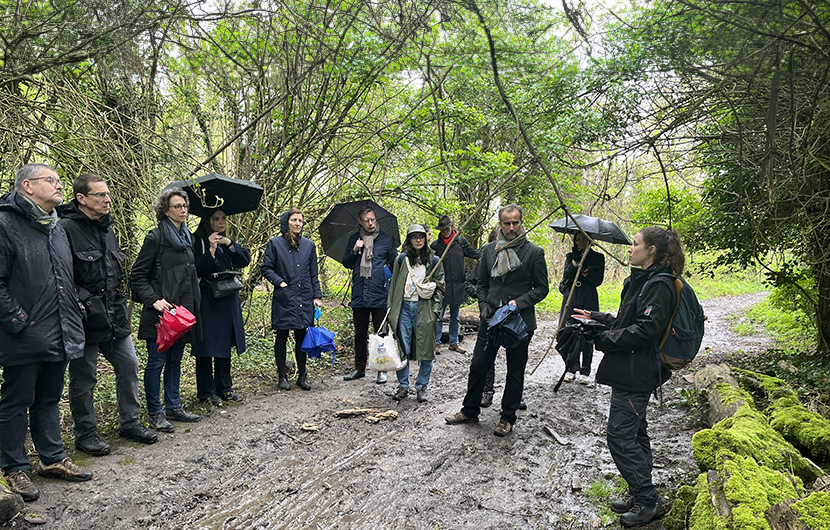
{"x": 250, "y": 466}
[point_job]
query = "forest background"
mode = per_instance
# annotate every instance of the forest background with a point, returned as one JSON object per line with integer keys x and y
{"x": 708, "y": 117}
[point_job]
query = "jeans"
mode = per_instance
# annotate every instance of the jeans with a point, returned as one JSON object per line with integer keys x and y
{"x": 30, "y": 399}
{"x": 300, "y": 356}
{"x": 83, "y": 378}
{"x": 213, "y": 376}
{"x": 360, "y": 316}
{"x": 484, "y": 355}
{"x": 406, "y": 326}
{"x": 455, "y": 323}
{"x": 629, "y": 444}
{"x": 171, "y": 361}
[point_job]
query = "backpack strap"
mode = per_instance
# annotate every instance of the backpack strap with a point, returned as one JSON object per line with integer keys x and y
{"x": 678, "y": 285}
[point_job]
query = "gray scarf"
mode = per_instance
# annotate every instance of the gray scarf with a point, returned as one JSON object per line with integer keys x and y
{"x": 180, "y": 239}
{"x": 506, "y": 258}
{"x": 368, "y": 251}
{"x": 39, "y": 216}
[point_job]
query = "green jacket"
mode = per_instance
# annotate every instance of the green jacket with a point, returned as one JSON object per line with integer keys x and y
{"x": 428, "y": 310}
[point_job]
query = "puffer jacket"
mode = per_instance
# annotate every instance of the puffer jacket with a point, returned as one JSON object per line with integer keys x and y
{"x": 630, "y": 361}
{"x": 40, "y": 316}
{"x": 99, "y": 273}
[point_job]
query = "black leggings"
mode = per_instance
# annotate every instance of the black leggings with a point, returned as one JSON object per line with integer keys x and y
{"x": 280, "y": 346}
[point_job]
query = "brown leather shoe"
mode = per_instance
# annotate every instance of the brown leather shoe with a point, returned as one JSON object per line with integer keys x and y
{"x": 504, "y": 428}
{"x": 456, "y": 347}
{"x": 65, "y": 469}
{"x": 460, "y": 417}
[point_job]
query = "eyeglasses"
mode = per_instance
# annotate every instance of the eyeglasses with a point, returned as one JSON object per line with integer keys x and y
{"x": 417, "y": 236}
{"x": 180, "y": 207}
{"x": 53, "y": 181}
{"x": 99, "y": 195}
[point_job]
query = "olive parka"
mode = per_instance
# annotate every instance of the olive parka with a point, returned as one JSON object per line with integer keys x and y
{"x": 428, "y": 309}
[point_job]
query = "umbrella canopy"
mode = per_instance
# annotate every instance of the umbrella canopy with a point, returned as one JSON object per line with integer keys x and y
{"x": 597, "y": 228}
{"x": 220, "y": 193}
{"x": 341, "y": 223}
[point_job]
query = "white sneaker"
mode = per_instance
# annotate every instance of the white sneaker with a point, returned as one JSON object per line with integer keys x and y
{"x": 569, "y": 377}
{"x": 583, "y": 379}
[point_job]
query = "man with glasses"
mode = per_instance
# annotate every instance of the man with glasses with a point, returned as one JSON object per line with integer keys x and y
{"x": 99, "y": 275}
{"x": 40, "y": 328}
{"x": 513, "y": 271}
{"x": 368, "y": 253}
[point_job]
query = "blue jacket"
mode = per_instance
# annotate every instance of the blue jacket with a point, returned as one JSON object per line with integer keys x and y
{"x": 292, "y": 307}
{"x": 371, "y": 292}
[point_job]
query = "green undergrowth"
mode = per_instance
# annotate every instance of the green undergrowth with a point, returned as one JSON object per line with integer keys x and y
{"x": 814, "y": 510}
{"x": 600, "y": 492}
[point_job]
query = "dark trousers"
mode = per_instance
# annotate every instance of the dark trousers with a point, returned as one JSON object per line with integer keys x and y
{"x": 587, "y": 358}
{"x": 484, "y": 355}
{"x": 30, "y": 400}
{"x": 361, "y": 315}
{"x": 213, "y": 376}
{"x": 629, "y": 444}
{"x": 280, "y": 347}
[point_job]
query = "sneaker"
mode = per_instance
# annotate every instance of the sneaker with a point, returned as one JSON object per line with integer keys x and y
{"x": 213, "y": 400}
{"x": 139, "y": 433}
{"x": 20, "y": 483}
{"x": 503, "y": 428}
{"x": 400, "y": 393}
{"x": 486, "y": 399}
{"x": 569, "y": 377}
{"x": 458, "y": 348}
{"x": 583, "y": 379}
{"x": 460, "y": 417}
{"x": 622, "y": 505}
{"x": 422, "y": 395}
{"x": 640, "y": 515}
{"x": 159, "y": 423}
{"x": 381, "y": 378}
{"x": 65, "y": 470}
{"x": 179, "y": 414}
{"x": 92, "y": 445}
{"x": 231, "y": 396}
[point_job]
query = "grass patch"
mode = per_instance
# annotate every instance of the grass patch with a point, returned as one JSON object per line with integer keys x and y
{"x": 791, "y": 327}
{"x": 129, "y": 461}
{"x": 600, "y": 493}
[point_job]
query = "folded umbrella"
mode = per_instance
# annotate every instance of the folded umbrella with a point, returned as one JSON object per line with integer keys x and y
{"x": 318, "y": 339}
{"x": 507, "y": 327}
{"x": 213, "y": 192}
{"x": 341, "y": 223}
{"x": 599, "y": 229}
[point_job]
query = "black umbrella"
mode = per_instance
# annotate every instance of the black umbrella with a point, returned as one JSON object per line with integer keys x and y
{"x": 217, "y": 192}
{"x": 341, "y": 223}
{"x": 597, "y": 228}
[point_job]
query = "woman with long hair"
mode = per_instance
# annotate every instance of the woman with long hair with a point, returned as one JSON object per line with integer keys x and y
{"x": 630, "y": 365}
{"x": 221, "y": 317}
{"x": 290, "y": 264}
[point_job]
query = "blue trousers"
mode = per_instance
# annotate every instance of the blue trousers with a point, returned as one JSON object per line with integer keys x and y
{"x": 406, "y": 326}
{"x": 171, "y": 362}
{"x": 455, "y": 323}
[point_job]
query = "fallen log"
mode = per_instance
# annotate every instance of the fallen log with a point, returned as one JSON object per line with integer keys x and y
{"x": 722, "y": 392}
{"x": 348, "y": 413}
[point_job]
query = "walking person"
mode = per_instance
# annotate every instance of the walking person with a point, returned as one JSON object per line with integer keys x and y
{"x": 290, "y": 264}
{"x": 368, "y": 252}
{"x": 222, "y": 324}
{"x": 98, "y": 264}
{"x": 584, "y": 296}
{"x": 511, "y": 270}
{"x": 164, "y": 275}
{"x": 413, "y": 310}
{"x": 455, "y": 274}
{"x": 630, "y": 368}
{"x": 41, "y": 329}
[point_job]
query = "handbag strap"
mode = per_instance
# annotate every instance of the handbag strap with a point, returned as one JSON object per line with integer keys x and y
{"x": 383, "y": 323}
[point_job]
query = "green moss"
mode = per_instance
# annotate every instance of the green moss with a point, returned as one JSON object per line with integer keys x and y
{"x": 684, "y": 498}
{"x": 750, "y": 489}
{"x": 730, "y": 395}
{"x": 814, "y": 511}
{"x": 804, "y": 428}
{"x": 773, "y": 386}
{"x": 703, "y": 515}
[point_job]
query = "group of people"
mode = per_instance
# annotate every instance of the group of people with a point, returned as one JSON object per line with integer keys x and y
{"x": 61, "y": 303}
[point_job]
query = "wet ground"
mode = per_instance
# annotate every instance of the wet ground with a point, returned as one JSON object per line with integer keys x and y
{"x": 251, "y": 466}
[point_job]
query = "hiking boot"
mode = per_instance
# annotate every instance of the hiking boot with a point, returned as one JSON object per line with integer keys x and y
{"x": 622, "y": 505}
{"x": 569, "y": 377}
{"x": 179, "y": 414}
{"x": 284, "y": 384}
{"x": 460, "y": 417}
{"x": 503, "y": 428}
{"x": 159, "y": 423}
{"x": 437, "y": 349}
{"x": 400, "y": 393}
{"x": 486, "y": 399}
{"x": 92, "y": 445}
{"x": 583, "y": 379}
{"x": 356, "y": 374}
{"x": 20, "y": 483}
{"x": 213, "y": 400}
{"x": 231, "y": 396}
{"x": 422, "y": 395}
{"x": 302, "y": 382}
{"x": 640, "y": 515}
{"x": 458, "y": 348}
{"x": 65, "y": 470}
{"x": 139, "y": 433}
{"x": 381, "y": 378}
{"x": 522, "y": 405}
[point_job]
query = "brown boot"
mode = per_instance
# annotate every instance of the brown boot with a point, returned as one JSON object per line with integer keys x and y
{"x": 65, "y": 470}
{"x": 504, "y": 428}
{"x": 460, "y": 417}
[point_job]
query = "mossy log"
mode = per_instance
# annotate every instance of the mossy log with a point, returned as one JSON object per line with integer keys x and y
{"x": 721, "y": 390}
{"x": 10, "y": 503}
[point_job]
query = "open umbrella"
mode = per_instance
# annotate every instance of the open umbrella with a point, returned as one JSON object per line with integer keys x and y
{"x": 341, "y": 223}
{"x": 219, "y": 193}
{"x": 597, "y": 228}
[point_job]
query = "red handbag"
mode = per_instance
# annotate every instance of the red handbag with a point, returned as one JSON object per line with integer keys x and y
{"x": 172, "y": 325}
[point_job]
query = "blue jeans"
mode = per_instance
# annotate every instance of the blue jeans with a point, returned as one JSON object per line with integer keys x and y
{"x": 171, "y": 361}
{"x": 455, "y": 323}
{"x": 406, "y": 328}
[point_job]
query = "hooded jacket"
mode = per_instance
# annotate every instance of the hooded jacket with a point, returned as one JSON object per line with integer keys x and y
{"x": 40, "y": 317}
{"x": 98, "y": 264}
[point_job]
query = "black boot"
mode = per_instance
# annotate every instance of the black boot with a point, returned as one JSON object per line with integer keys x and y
{"x": 302, "y": 382}
{"x": 284, "y": 384}
{"x": 486, "y": 399}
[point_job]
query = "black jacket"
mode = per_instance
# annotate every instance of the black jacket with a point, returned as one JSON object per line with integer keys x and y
{"x": 371, "y": 292}
{"x": 528, "y": 284}
{"x": 99, "y": 273}
{"x": 630, "y": 362}
{"x": 585, "y": 295}
{"x": 454, "y": 271}
{"x": 40, "y": 317}
{"x": 167, "y": 274}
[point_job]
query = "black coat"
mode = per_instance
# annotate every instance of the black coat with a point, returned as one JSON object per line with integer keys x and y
{"x": 454, "y": 271}
{"x": 630, "y": 361}
{"x": 221, "y": 318}
{"x": 99, "y": 273}
{"x": 371, "y": 292}
{"x": 40, "y": 316}
{"x": 528, "y": 284}
{"x": 169, "y": 274}
{"x": 585, "y": 295}
{"x": 292, "y": 307}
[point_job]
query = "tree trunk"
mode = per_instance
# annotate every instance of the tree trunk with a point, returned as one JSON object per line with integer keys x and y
{"x": 723, "y": 403}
